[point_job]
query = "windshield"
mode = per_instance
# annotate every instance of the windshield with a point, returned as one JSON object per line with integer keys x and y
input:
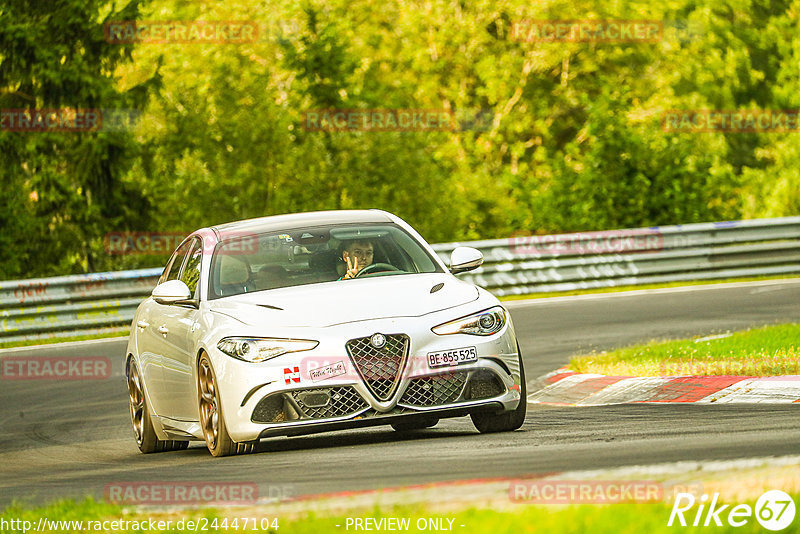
{"x": 259, "y": 262}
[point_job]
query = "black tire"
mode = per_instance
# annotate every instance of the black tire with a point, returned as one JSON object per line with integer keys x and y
{"x": 487, "y": 422}
{"x": 218, "y": 440}
{"x": 416, "y": 424}
{"x": 142, "y": 424}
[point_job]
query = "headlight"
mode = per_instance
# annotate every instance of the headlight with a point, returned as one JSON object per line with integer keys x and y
{"x": 259, "y": 349}
{"x": 483, "y": 323}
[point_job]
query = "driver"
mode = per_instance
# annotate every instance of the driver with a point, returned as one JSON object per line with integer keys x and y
{"x": 358, "y": 255}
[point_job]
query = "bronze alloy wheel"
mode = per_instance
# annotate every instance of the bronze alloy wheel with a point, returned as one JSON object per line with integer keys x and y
{"x": 143, "y": 430}
{"x": 136, "y": 399}
{"x": 209, "y": 411}
{"x": 211, "y": 418}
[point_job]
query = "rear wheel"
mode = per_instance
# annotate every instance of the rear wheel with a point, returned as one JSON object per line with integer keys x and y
{"x": 416, "y": 424}
{"x": 218, "y": 440}
{"x": 143, "y": 431}
{"x": 487, "y": 422}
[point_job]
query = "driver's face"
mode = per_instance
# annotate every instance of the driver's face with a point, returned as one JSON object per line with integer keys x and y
{"x": 361, "y": 251}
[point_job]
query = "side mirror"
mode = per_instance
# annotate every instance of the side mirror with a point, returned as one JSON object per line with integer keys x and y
{"x": 172, "y": 292}
{"x": 464, "y": 259}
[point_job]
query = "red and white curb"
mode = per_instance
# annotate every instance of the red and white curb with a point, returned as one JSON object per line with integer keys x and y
{"x": 568, "y": 388}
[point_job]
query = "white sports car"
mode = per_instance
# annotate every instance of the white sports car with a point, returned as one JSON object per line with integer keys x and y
{"x": 311, "y": 322}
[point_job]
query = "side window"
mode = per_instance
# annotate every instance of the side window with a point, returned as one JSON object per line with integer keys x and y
{"x": 191, "y": 272}
{"x": 174, "y": 267}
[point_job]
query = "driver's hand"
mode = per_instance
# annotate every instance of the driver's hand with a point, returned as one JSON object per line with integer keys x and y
{"x": 352, "y": 269}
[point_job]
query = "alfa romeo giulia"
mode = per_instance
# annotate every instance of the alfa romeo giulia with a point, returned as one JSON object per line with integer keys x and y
{"x": 311, "y": 322}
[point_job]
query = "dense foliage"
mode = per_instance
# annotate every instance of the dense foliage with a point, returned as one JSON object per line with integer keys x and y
{"x": 554, "y": 136}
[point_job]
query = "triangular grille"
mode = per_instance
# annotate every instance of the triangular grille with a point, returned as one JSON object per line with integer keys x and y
{"x": 380, "y": 368}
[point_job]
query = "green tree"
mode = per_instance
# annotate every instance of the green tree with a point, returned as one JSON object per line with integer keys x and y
{"x": 62, "y": 191}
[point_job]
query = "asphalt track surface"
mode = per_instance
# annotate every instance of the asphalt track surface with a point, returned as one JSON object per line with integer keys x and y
{"x": 70, "y": 439}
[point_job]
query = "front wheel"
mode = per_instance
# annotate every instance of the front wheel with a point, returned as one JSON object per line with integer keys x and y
{"x": 143, "y": 431}
{"x": 506, "y": 421}
{"x": 218, "y": 440}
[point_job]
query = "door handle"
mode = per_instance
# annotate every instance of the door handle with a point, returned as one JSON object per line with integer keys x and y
{"x": 163, "y": 330}
{"x": 142, "y": 324}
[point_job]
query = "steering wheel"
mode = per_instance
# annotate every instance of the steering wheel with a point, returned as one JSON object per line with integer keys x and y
{"x": 379, "y": 267}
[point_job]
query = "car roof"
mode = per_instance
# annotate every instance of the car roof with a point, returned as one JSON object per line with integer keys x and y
{"x": 294, "y": 221}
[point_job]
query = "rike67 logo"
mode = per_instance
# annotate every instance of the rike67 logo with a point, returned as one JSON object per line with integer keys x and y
{"x": 774, "y": 510}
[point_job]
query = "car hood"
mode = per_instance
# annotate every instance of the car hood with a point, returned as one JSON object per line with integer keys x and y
{"x": 331, "y": 303}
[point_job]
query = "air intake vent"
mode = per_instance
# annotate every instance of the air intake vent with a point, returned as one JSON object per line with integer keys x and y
{"x": 434, "y": 390}
{"x": 303, "y": 404}
{"x": 484, "y": 385}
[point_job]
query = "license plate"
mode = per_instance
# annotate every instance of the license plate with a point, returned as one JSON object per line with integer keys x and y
{"x": 452, "y": 357}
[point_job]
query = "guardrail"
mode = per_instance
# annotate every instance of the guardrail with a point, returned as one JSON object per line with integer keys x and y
{"x": 72, "y": 305}
{"x": 105, "y": 302}
{"x": 704, "y": 251}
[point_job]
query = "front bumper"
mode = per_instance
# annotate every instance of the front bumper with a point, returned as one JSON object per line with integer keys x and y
{"x": 372, "y": 418}
{"x": 290, "y": 396}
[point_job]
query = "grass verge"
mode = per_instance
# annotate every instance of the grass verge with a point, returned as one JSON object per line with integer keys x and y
{"x": 64, "y": 516}
{"x": 767, "y": 351}
{"x": 461, "y": 506}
